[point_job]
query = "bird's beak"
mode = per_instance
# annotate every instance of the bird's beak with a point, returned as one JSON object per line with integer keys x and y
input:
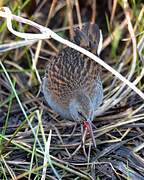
{"x": 91, "y": 132}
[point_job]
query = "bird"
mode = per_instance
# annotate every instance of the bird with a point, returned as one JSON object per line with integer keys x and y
{"x": 72, "y": 84}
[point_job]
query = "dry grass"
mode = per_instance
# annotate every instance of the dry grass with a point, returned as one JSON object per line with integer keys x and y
{"x": 35, "y": 143}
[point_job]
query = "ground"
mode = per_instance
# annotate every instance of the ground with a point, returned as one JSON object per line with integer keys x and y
{"x": 50, "y": 149}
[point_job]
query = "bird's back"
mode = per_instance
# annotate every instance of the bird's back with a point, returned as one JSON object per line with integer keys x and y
{"x": 71, "y": 72}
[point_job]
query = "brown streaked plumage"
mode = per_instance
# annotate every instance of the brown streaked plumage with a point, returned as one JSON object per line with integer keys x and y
{"x": 72, "y": 85}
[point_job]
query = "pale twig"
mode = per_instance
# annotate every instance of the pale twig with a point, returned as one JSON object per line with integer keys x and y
{"x": 51, "y": 11}
{"x": 78, "y": 13}
{"x": 34, "y": 63}
{"x": 70, "y": 18}
{"x": 113, "y": 11}
{"x": 50, "y": 14}
{"x": 14, "y": 45}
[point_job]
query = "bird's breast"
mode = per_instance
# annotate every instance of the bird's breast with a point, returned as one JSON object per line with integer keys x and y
{"x": 67, "y": 74}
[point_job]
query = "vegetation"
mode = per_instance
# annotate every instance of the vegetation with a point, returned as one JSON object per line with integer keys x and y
{"x": 35, "y": 143}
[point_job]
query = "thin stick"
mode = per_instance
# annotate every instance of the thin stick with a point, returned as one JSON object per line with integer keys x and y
{"x": 113, "y": 11}
{"x": 70, "y": 18}
{"x": 78, "y": 13}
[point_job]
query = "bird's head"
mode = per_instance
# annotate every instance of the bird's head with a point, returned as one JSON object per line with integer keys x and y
{"x": 81, "y": 108}
{"x": 82, "y": 111}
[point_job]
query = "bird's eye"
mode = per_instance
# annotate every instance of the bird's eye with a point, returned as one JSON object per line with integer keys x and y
{"x": 80, "y": 114}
